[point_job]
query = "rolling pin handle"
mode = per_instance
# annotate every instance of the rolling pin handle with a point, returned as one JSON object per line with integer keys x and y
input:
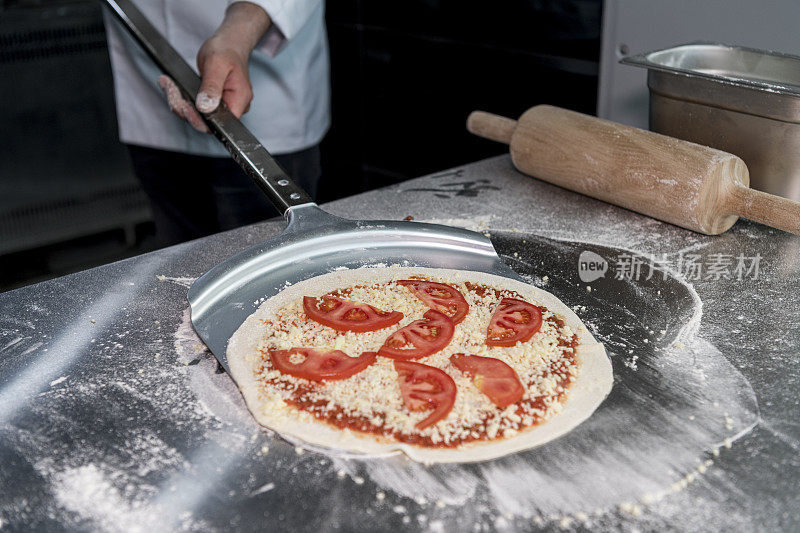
{"x": 491, "y": 126}
{"x": 765, "y": 208}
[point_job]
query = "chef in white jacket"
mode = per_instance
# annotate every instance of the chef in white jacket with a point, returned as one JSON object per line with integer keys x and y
{"x": 267, "y": 60}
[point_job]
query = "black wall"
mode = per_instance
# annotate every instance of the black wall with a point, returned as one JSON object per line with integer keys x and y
{"x": 405, "y": 75}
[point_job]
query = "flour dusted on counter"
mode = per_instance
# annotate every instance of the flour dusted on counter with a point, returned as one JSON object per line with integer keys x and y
{"x": 182, "y": 281}
{"x": 479, "y": 223}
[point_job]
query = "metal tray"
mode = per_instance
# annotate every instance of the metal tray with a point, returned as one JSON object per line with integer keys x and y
{"x": 740, "y": 100}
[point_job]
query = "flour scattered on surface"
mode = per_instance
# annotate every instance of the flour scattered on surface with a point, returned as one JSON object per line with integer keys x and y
{"x": 95, "y": 495}
{"x": 263, "y": 488}
{"x": 480, "y": 223}
{"x": 87, "y": 491}
{"x": 182, "y": 281}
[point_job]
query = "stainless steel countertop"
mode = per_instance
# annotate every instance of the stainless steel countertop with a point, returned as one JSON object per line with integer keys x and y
{"x": 113, "y": 416}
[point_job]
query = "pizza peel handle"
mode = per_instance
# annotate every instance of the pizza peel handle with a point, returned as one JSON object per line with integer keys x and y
{"x": 243, "y": 146}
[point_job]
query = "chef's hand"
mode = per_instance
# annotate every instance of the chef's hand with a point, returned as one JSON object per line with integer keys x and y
{"x": 223, "y": 64}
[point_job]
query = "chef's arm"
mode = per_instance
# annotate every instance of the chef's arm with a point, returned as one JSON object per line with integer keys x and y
{"x": 223, "y": 59}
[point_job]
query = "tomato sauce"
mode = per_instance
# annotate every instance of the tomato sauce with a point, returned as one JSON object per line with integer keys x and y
{"x": 483, "y": 290}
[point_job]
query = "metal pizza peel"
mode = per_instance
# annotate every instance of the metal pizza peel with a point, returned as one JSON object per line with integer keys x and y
{"x": 314, "y": 242}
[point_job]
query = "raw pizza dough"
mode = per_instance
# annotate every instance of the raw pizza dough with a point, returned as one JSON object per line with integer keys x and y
{"x": 591, "y": 385}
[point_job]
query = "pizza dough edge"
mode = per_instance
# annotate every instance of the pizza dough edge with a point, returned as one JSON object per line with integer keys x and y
{"x": 591, "y": 386}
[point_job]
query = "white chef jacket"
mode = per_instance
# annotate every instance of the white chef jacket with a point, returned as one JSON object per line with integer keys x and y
{"x": 289, "y": 72}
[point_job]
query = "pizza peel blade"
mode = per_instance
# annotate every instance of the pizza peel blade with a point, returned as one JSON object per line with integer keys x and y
{"x": 314, "y": 242}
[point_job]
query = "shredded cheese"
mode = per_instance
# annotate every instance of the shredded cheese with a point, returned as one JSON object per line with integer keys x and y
{"x": 545, "y": 365}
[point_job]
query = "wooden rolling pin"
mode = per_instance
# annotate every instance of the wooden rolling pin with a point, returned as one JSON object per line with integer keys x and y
{"x": 686, "y": 184}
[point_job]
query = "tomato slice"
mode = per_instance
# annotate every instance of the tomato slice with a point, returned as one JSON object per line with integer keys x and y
{"x": 319, "y": 365}
{"x": 420, "y": 338}
{"x": 492, "y": 376}
{"x": 424, "y": 387}
{"x": 513, "y": 321}
{"x": 342, "y": 315}
{"x": 439, "y": 296}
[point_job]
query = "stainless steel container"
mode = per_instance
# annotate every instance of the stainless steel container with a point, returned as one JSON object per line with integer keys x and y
{"x": 736, "y": 99}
